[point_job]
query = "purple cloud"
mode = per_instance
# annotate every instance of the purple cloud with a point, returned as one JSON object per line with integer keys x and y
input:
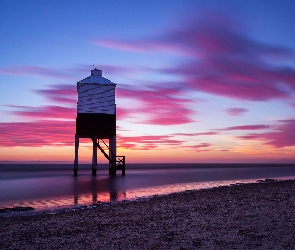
{"x": 246, "y": 127}
{"x": 62, "y": 93}
{"x": 199, "y": 147}
{"x": 222, "y": 61}
{"x": 235, "y": 111}
{"x": 147, "y": 142}
{"x": 54, "y": 125}
{"x": 45, "y": 112}
{"x": 195, "y": 134}
{"x": 37, "y": 134}
{"x": 161, "y": 105}
{"x": 50, "y": 125}
{"x": 284, "y": 135}
{"x": 231, "y": 65}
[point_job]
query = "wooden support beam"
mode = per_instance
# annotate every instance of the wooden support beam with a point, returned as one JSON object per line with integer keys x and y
{"x": 112, "y": 155}
{"x": 94, "y": 155}
{"x": 76, "y": 155}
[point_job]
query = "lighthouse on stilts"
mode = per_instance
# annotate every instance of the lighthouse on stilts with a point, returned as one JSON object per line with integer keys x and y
{"x": 96, "y": 119}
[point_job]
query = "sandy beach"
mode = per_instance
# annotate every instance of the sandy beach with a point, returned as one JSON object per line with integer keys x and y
{"x": 248, "y": 216}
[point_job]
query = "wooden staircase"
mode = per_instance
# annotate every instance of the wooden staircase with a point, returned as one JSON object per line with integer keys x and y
{"x": 116, "y": 162}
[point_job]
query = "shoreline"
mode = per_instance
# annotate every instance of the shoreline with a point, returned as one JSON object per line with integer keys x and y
{"x": 245, "y": 216}
{"x": 27, "y": 210}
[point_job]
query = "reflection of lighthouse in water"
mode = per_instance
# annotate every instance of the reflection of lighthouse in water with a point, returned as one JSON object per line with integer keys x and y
{"x": 96, "y": 119}
{"x": 95, "y": 190}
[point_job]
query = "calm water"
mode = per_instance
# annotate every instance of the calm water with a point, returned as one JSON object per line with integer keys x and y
{"x": 54, "y": 186}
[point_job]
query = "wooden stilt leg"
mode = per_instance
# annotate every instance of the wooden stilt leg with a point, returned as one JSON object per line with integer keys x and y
{"x": 112, "y": 154}
{"x": 76, "y": 155}
{"x": 94, "y": 155}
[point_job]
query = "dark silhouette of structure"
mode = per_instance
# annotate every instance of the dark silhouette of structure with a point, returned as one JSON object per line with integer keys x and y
{"x": 96, "y": 119}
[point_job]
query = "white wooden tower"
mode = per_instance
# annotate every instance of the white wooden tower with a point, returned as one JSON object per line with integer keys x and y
{"x": 96, "y": 119}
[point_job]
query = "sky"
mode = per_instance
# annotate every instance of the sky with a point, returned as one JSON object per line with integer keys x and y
{"x": 197, "y": 81}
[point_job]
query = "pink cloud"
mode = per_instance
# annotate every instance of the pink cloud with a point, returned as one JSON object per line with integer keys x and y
{"x": 258, "y": 89}
{"x": 284, "y": 135}
{"x": 195, "y": 134}
{"x": 160, "y": 105}
{"x": 47, "y": 126}
{"x": 232, "y": 65}
{"x": 235, "y": 111}
{"x": 62, "y": 93}
{"x": 202, "y": 145}
{"x": 61, "y": 133}
{"x": 50, "y": 125}
{"x": 45, "y": 112}
{"x": 199, "y": 147}
{"x": 147, "y": 142}
{"x": 122, "y": 113}
{"x": 37, "y": 134}
{"x": 223, "y": 60}
{"x": 246, "y": 127}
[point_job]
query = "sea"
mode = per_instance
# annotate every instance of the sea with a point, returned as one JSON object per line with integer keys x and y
{"x": 54, "y": 186}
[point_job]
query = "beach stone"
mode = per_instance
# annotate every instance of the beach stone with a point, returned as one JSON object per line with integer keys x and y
{"x": 16, "y": 209}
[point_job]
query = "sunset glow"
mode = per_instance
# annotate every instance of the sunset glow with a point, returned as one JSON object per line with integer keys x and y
{"x": 197, "y": 81}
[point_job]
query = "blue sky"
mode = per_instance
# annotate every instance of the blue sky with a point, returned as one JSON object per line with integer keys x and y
{"x": 198, "y": 81}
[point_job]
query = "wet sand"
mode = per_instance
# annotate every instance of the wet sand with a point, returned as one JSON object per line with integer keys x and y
{"x": 248, "y": 216}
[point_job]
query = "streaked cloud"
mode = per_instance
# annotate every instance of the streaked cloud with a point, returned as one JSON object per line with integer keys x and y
{"x": 235, "y": 111}
{"x": 61, "y": 93}
{"x": 148, "y": 45}
{"x": 246, "y": 127}
{"x": 53, "y": 125}
{"x": 223, "y": 61}
{"x": 45, "y": 112}
{"x": 60, "y": 73}
{"x": 147, "y": 142}
{"x": 37, "y": 134}
{"x": 50, "y": 125}
{"x": 195, "y": 134}
{"x": 219, "y": 60}
{"x": 160, "y": 105}
{"x": 199, "y": 147}
{"x": 284, "y": 135}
